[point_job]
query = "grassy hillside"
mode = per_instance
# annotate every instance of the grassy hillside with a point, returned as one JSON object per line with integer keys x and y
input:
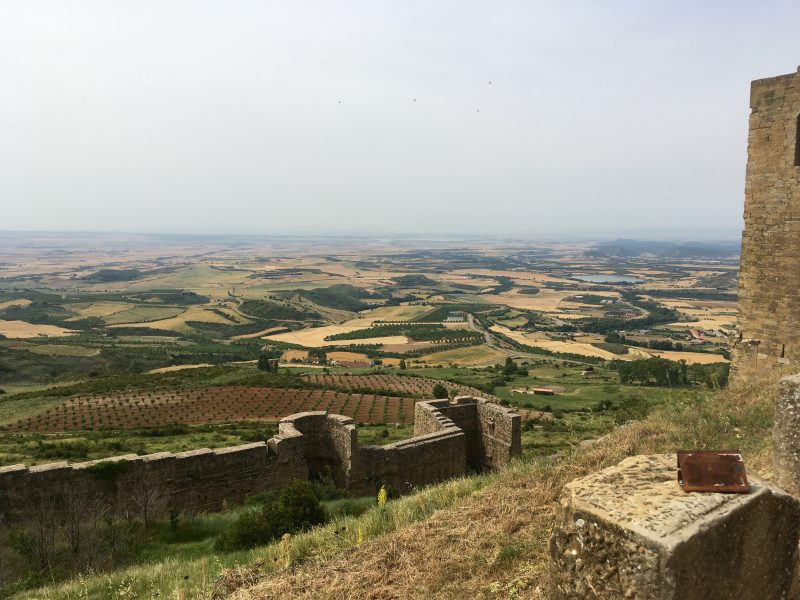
{"x": 484, "y": 536}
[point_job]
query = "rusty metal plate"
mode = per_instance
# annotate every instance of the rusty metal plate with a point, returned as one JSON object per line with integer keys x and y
{"x": 712, "y": 471}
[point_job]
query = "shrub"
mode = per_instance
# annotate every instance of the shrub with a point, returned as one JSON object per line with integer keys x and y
{"x": 291, "y": 509}
{"x": 604, "y": 405}
{"x": 326, "y": 489}
{"x": 439, "y": 391}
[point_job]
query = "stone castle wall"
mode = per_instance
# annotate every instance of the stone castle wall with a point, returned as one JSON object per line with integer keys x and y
{"x": 407, "y": 464}
{"x": 769, "y": 279}
{"x": 308, "y": 445}
{"x": 201, "y": 480}
{"x": 492, "y": 433}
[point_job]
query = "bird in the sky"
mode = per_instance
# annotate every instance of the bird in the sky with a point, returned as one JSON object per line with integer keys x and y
{"x": 415, "y": 99}
{"x": 490, "y": 83}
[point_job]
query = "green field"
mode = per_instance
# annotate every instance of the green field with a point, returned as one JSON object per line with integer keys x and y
{"x": 54, "y": 349}
{"x": 143, "y": 314}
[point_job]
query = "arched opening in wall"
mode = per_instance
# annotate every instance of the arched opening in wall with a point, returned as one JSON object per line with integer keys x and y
{"x": 797, "y": 143}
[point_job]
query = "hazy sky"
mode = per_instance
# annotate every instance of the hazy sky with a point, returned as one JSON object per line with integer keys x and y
{"x": 257, "y": 117}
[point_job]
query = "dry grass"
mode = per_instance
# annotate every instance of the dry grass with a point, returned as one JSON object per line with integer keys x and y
{"x": 294, "y": 354}
{"x": 356, "y": 356}
{"x": 582, "y": 346}
{"x": 268, "y": 331}
{"x": 314, "y": 337}
{"x": 480, "y": 537}
{"x": 23, "y": 302}
{"x": 546, "y": 301}
{"x": 703, "y": 358}
{"x": 568, "y": 346}
{"x": 494, "y": 543}
{"x": 24, "y": 330}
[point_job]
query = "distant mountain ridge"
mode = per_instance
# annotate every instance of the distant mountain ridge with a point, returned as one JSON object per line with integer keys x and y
{"x": 666, "y": 249}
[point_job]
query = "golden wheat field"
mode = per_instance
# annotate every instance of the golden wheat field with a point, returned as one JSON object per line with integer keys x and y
{"x": 24, "y": 330}
{"x": 23, "y": 302}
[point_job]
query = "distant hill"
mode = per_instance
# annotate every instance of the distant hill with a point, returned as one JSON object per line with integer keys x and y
{"x": 340, "y": 296}
{"x": 632, "y": 248}
{"x": 414, "y": 281}
{"x": 109, "y": 275}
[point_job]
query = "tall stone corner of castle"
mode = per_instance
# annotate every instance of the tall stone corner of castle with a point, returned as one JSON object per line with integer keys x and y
{"x": 769, "y": 287}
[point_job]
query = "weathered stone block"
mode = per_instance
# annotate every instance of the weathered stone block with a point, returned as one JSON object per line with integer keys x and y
{"x": 786, "y": 435}
{"x": 630, "y": 531}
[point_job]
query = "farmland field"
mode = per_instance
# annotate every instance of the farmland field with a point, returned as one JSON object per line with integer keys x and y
{"x": 183, "y": 315}
{"x": 703, "y": 358}
{"x": 23, "y": 302}
{"x": 570, "y": 347}
{"x": 53, "y": 349}
{"x": 417, "y": 387}
{"x": 25, "y": 330}
{"x": 314, "y": 337}
{"x": 352, "y": 356}
{"x": 158, "y": 408}
{"x": 192, "y": 380}
{"x": 472, "y": 356}
{"x": 99, "y": 309}
{"x": 142, "y": 314}
{"x": 547, "y": 301}
{"x": 178, "y": 320}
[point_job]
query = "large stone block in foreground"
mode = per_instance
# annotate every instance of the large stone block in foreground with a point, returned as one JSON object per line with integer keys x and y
{"x": 786, "y": 436}
{"x": 631, "y": 532}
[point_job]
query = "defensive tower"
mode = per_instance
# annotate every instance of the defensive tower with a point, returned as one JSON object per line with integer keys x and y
{"x": 769, "y": 279}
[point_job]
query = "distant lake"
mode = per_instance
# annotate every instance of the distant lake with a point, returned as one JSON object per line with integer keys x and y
{"x": 601, "y": 278}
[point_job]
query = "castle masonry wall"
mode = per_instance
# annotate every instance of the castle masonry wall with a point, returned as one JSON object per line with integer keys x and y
{"x": 451, "y": 437}
{"x": 492, "y": 431}
{"x": 411, "y": 463}
{"x": 500, "y": 435}
{"x": 769, "y": 279}
{"x": 201, "y": 480}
